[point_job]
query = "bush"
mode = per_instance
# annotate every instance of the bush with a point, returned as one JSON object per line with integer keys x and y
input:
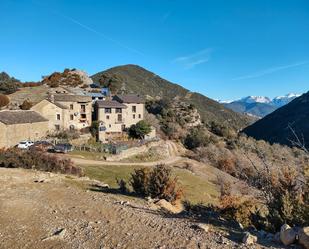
{"x": 94, "y": 128}
{"x": 26, "y": 105}
{"x": 140, "y": 181}
{"x": 156, "y": 183}
{"x": 197, "y": 137}
{"x": 4, "y": 100}
{"x": 8, "y": 84}
{"x": 140, "y": 129}
{"x": 122, "y": 186}
{"x": 16, "y": 158}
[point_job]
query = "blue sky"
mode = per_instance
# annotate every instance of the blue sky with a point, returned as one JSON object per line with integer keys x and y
{"x": 223, "y": 49}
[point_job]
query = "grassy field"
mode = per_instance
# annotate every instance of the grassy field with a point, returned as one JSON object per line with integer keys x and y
{"x": 88, "y": 155}
{"x": 196, "y": 189}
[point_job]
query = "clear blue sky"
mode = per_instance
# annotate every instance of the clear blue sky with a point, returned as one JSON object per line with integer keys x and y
{"x": 223, "y": 49}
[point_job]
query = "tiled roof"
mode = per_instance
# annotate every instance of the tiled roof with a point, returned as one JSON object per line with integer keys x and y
{"x": 20, "y": 117}
{"x": 71, "y": 98}
{"x": 129, "y": 98}
{"x": 110, "y": 104}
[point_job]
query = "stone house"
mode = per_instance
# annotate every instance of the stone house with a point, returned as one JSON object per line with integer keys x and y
{"x": 16, "y": 126}
{"x": 66, "y": 111}
{"x": 135, "y": 108}
{"x": 118, "y": 114}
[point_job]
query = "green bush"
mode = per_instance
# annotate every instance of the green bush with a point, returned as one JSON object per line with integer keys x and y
{"x": 8, "y": 84}
{"x": 196, "y": 137}
{"x": 94, "y": 128}
{"x": 140, "y": 129}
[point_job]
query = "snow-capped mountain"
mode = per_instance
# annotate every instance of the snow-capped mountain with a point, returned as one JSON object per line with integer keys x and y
{"x": 255, "y": 99}
{"x": 259, "y": 105}
{"x": 283, "y": 100}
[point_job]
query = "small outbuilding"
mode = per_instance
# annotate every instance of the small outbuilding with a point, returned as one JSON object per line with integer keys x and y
{"x": 16, "y": 126}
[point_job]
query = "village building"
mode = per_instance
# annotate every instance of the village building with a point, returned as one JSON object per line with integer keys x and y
{"x": 65, "y": 111}
{"x": 118, "y": 114}
{"x": 16, "y": 126}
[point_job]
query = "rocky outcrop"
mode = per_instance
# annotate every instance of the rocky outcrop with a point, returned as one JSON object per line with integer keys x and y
{"x": 249, "y": 239}
{"x": 167, "y": 206}
{"x": 287, "y": 235}
{"x": 303, "y": 237}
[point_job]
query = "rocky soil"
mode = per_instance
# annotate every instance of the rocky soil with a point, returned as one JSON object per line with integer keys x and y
{"x": 44, "y": 210}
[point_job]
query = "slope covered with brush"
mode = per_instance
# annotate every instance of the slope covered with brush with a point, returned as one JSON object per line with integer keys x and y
{"x": 278, "y": 127}
{"x": 135, "y": 79}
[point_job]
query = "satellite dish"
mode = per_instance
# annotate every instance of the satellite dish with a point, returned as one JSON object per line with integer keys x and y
{"x": 76, "y": 113}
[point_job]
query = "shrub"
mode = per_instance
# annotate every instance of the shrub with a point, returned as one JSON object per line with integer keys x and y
{"x": 140, "y": 181}
{"x": 197, "y": 137}
{"x": 26, "y": 105}
{"x": 156, "y": 183}
{"x": 94, "y": 128}
{"x": 162, "y": 185}
{"x": 122, "y": 186}
{"x": 140, "y": 129}
{"x": 16, "y": 158}
{"x": 4, "y": 100}
{"x": 8, "y": 84}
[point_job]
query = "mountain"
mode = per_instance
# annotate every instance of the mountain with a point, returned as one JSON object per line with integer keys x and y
{"x": 276, "y": 127}
{"x": 258, "y": 105}
{"x": 283, "y": 100}
{"x": 135, "y": 79}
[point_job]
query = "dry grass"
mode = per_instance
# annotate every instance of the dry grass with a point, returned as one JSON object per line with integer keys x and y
{"x": 196, "y": 189}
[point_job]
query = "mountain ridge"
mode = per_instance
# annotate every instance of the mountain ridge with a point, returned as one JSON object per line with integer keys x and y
{"x": 259, "y": 106}
{"x": 133, "y": 78}
{"x": 278, "y": 126}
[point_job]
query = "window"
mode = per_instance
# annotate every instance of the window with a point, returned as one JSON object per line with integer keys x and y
{"x": 133, "y": 116}
{"x": 57, "y": 127}
{"x": 71, "y": 117}
{"x": 83, "y": 117}
{"x": 107, "y": 116}
{"x": 108, "y": 110}
{"x": 58, "y": 117}
{"x": 119, "y": 118}
{"x": 71, "y": 107}
{"x": 83, "y": 108}
{"x": 133, "y": 108}
{"x": 109, "y": 125}
{"x": 118, "y": 110}
{"x": 139, "y": 116}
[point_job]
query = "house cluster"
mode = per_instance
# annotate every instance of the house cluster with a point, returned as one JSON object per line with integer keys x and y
{"x": 67, "y": 111}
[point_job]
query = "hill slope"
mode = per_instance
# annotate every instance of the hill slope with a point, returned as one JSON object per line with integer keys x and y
{"x": 136, "y": 79}
{"x": 274, "y": 128}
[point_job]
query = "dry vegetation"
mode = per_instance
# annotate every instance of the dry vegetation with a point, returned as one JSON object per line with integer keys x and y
{"x": 65, "y": 78}
{"x": 38, "y": 160}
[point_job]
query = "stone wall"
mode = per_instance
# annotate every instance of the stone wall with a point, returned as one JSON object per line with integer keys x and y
{"x": 11, "y": 135}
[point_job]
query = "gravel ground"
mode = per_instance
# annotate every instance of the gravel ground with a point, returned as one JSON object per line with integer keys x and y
{"x": 43, "y": 210}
